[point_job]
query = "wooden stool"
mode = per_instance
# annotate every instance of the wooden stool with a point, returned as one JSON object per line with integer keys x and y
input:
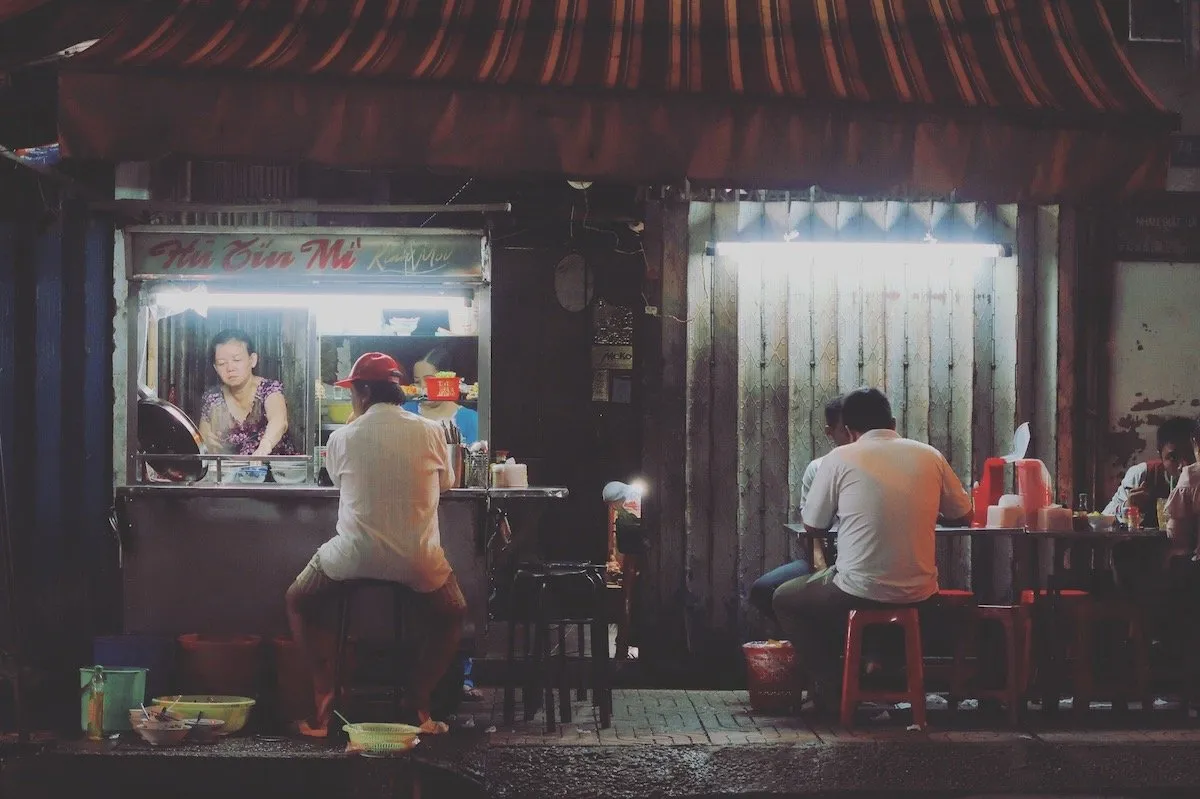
{"x": 852, "y": 691}
{"x": 346, "y": 590}
{"x": 1123, "y": 612}
{"x": 1014, "y": 621}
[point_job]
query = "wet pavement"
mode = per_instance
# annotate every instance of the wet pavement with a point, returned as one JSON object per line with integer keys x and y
{"x": 661, "y": 743}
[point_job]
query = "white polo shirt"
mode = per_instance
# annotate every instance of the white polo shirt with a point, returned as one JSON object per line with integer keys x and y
{"x": 391, "y": 467}
{"x": 886, "y": 493}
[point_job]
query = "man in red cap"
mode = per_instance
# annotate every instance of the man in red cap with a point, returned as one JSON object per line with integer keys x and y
{"x": 391, "y": 468}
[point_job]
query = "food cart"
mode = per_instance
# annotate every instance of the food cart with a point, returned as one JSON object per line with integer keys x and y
{"x": 210, "y": 546}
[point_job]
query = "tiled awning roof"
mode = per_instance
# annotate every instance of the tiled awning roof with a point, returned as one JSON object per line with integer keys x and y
{"x": 992, "y": 98}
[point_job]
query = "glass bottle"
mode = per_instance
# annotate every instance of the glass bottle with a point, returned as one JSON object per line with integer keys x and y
{"x": 95, "y": 706}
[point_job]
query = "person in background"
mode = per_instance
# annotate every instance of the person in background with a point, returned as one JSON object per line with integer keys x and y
{"x": 762, "y": 592}
{"x": 1146, "y": 483}
{"x": 441, "y": 359}
{"x": 246, "y": 414}
{"x": 391, "y": 468}
{"x": 627, "y": 547}
{"x": 887, "y": 493}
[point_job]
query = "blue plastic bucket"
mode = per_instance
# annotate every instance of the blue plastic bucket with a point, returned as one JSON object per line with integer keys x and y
{"x": 124, "y": 689}
{"x": 153, "y": 652}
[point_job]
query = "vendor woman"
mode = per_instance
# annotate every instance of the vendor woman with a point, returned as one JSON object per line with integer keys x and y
{"x": 440, "y": 359}
{"x": 246, "y": 414}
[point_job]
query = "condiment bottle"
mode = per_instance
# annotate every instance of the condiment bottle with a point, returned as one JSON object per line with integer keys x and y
{"x": 95, "y": 706}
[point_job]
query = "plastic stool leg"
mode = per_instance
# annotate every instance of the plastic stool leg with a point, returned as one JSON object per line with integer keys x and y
{"x": 339, "y": 654}
{"x": 511, "y": 674}
{"x": 564, "y": 677}
{"x": 398, "y": 632}
{"x": 1012, "y": 667}
{"x": 530, "y": 700}
{"x": 968, "y": 643}
{"x": 1082, "y": 689}
{"x": 916, "y": 668}
{"x": 581, "y": 693}
{"x": 545, "y": 665}
{"x": 850, "y": 685}
{"x": 1141, "y": 664}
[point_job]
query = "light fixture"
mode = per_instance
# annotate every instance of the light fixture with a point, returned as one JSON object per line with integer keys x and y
{"x": 844, "y": 249}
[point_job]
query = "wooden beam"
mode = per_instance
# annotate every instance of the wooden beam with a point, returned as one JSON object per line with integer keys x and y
{"x": 698, "y": 457}
{"x": 1068, "y": 353}
{"x": 673, "y": 404}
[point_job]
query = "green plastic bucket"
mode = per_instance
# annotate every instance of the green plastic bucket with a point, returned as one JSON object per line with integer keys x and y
{"x": 124, "y": 689}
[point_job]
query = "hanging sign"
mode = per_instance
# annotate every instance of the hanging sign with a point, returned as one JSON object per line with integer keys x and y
{"x": 612, "y": 356}
{"x": 305, "y": 254}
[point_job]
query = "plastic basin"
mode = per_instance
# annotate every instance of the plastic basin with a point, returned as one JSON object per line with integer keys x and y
{"x": 233, "y": 710}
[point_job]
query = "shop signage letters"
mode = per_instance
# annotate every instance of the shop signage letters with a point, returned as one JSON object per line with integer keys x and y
{"x": 306, "y": 253}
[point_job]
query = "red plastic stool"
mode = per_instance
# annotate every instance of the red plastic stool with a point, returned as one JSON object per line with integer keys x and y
{"x": 852, "y": 690}
{"x": 1014, "y": 621}
{"x": 1055, "y": 651}
{"x": 1068, "y": 594}
{"x": 952, "y": 607}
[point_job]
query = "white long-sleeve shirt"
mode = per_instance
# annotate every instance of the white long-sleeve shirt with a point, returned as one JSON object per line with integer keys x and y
{"x": 1135, "y": 477}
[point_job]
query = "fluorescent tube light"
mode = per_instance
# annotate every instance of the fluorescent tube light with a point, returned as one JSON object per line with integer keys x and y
{"x": 856, "y": 249}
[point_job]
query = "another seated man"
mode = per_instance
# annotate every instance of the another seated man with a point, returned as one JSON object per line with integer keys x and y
{"x": 762, "y": 592}
{"x": 887, "y": 493}
{"x": 1137, "y": 564}
{"x": 392, "y": 468}
{"x": 1146, "y": 483}
{"x": 1175, "y": 596}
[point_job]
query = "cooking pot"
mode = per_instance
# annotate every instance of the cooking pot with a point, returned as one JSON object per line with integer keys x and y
{"x": 164, "y": 429}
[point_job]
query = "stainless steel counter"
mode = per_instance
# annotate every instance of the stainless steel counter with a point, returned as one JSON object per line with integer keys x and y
{"x": 217, "y": 559}
{"x": 308, "y": 491}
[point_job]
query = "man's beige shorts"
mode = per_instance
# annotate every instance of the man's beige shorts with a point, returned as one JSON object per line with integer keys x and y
{"x": 448, "y": 600}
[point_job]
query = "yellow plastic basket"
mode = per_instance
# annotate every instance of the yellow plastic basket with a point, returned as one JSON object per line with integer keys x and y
{"x": 382, "y": 738}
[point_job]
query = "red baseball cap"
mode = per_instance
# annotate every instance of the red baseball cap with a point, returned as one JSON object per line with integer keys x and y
{"x": 373, "y": 367}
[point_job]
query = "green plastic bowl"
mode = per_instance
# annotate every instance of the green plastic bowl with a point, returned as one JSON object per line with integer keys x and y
{"x": 382, "y": 738}
{"x": 233, "y": 710}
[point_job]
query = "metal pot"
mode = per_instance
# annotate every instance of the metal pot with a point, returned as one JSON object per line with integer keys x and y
{"x": 164, "y": 429}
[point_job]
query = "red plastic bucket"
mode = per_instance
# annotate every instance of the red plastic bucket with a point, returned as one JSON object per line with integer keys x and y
{"x": 220, "y": 665}
{"x": 771, "y": 676}
{"x": 294, "y": 696}
{"x": 443, "y": 389}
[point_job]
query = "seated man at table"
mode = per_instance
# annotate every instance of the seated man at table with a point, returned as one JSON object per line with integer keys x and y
{"x": 391, "y": 468}
{"x": 1136, "y": 564}
{"x": 887, "y": 493}
{"x": 762, "y": 592}
{"x": 1146, "y": 483}
{"x": 1177, "y": 594}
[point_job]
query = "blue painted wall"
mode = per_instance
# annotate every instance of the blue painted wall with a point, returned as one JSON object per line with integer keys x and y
{"x": 55, "y": 426}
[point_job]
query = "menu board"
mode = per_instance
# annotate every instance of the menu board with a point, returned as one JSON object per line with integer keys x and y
{"x": 304, "y": 253}
{"x": 1162, "y": 233}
